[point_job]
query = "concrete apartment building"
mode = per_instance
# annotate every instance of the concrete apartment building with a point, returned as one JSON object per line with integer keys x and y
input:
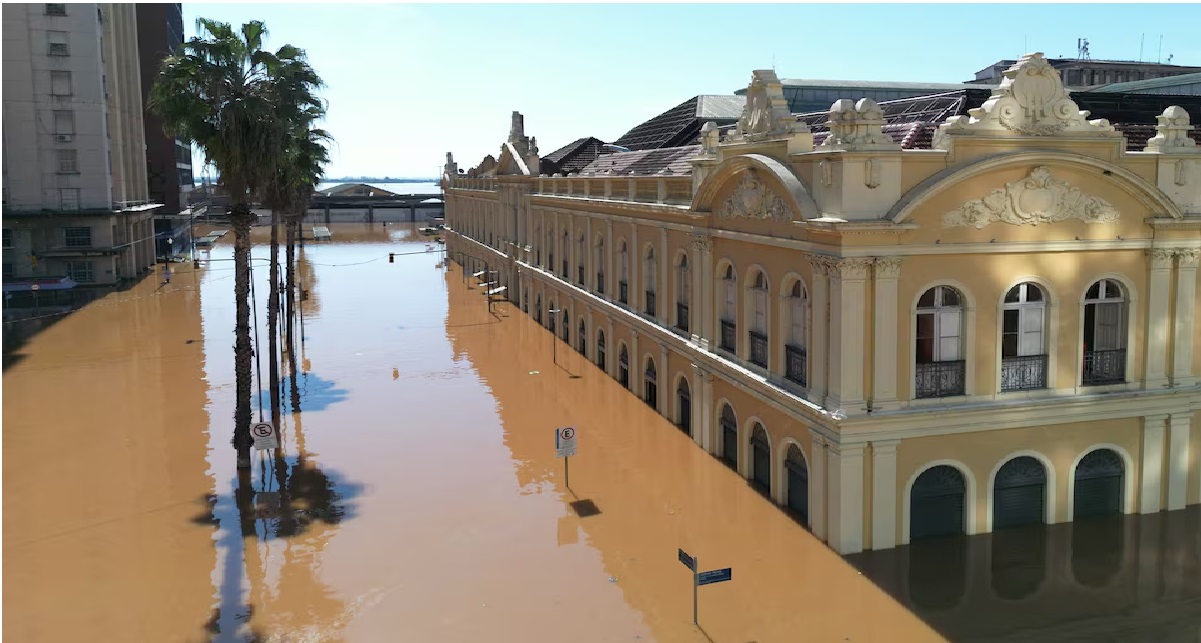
{"x": 76, "y": 209}
{"x": 897, "y": 329}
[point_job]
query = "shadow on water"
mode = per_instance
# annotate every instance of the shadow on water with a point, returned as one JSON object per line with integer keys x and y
{"x": 318, "y": 393}
{"x": 1119, "y": 578}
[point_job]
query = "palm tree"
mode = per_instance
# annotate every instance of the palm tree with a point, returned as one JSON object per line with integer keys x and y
{"x": 236, "y": 101}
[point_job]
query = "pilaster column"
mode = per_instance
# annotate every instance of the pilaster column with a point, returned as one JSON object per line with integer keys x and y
{"x": 1158, "y": 323}
{"x": 701, "y": 319}
{"x": 884, "y": 494}
{"x": 589, "y": 258}
{"x": 661, "y": 294}
{"x": 821, "y": 327}
{"x": 884, "y": 359}
{"x": 635, "y": 258}
{"x": 666, "y": 392}
{"x": 610, "y": 250}
{"x": 848, "y": 291}
{"x": 702, "y": 409}
{"x": 1178, "y": 460}
{"x": 1151, "y": 482}
{"x": 1186, "y": 292}
{"x": 817, "y": 482}
{"x": 844, "y": 475}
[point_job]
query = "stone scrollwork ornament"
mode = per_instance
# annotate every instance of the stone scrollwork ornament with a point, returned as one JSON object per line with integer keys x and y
{"x": 1038, "y": 198}
{"x": 754, "y": 200}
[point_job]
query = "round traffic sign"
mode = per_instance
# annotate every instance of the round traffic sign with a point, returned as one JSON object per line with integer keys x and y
{"x": 35, "y": 287}
{"x": 262, "y": 430}
{"x": 567, "y": 433}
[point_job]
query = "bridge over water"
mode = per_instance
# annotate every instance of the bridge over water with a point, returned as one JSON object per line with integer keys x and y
{"x": 376, "y": 207}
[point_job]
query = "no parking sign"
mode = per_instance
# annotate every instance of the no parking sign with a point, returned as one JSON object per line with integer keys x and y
{"x": 264, "y": 436}
{"x": 565, "y": 442}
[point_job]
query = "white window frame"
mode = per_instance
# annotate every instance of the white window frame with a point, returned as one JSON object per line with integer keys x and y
{"x": 942, "y": 315}
{"x": 1030, "y": 313}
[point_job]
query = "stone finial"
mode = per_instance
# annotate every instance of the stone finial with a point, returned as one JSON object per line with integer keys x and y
{"x": 1172, "y": 132}
{"x": 1031, "y": 100}
{"x": 517, "y": 128}
{"x": 857, "y": 127}
{"x": 766, "y": 114}
{"x": 451, "y": 167}
{"x": 534, "y": 145}
{"x": 710, "y": 138}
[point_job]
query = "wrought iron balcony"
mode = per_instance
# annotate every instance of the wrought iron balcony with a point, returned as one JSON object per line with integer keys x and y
{"x": 795, "y": 365}
{"x": 758, "y": 348}
{"x": 580, "y": 275}
{"x": 650, "y": 302}
{"x": 940, "y": 379}
{"x": 1104, "y": 367}
{"x": 682, "y": 316}
{"x": 623, "y": 291}
{"x": 1023, "y": 373}
{"x": 729, "y": 335}
{"x": 600, "y": 283}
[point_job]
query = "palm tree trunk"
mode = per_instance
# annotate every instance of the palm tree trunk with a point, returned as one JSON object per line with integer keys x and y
{"x": 241, "y": 218}
{"x": 293, "y": 228}
{"x": 273, "y": 321}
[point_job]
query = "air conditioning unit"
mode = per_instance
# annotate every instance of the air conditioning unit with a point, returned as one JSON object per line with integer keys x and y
{"x": 62, "y": 138}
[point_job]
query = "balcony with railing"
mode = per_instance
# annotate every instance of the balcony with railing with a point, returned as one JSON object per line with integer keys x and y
{"x": 729, "y": 335}
{"x": 1024, "y": 373}
{"x": 600, "y": 283}
{"x": 623, "y": 291}
{"x": 1104, "y": 367}
{"x": 473, "y": 183}
{"x": 682, "y": 316}
{"x": 661, "y": 189}
{"x": 758, "y": 348}
{"x": 650, "y": 303}
{"x": 939, "y": 379}
{"x": 795, "y": 365}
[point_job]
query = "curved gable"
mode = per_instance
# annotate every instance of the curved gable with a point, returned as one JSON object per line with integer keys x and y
{"x": 772, "y": 189}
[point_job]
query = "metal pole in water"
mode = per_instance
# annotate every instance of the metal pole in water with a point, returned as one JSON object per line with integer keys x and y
{"x": 696, "y": 564}
{"x": 566, "y": 472}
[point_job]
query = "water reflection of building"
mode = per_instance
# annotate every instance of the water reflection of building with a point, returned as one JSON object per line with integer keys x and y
{"x": 899, "y": 328}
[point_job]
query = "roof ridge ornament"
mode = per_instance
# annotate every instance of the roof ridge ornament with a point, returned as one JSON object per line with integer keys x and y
{"x": 857, "y": 127}
{"x": 766, "y": 114}
{"x": 1172, "y": 130}
{"x": 1030, "y": 101}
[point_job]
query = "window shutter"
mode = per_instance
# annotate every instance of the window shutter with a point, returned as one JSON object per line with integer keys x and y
{"x": 1108, "y": 327}
{"x": 949, "y": 325}
{"x": 1030, "y": 331}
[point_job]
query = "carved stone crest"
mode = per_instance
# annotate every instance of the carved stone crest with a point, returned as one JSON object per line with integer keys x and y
{"x": 754, "y": 200}
{"x": 1038, "y": 198}
{"x": 766, "y": 114}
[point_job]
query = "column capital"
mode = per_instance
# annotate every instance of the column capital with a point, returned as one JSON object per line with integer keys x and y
{"x": 888, "y": 267}
{"x": 821, "y": 264}
{"x": 1160, "y": 258}
{"x": 1187, "y": 256}
{"x": 851, "y": 268}
{"x": 846, "y": 450}
{"x": 701, "y": 242}
{"x": 1156, "y": 420}
{"x": 885, "y": 447}
{"x": 1181, "y": 419}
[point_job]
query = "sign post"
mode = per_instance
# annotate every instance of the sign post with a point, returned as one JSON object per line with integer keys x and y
{"x": 264, "y": 436}
{"x": 565, "y": 447}
{"x": 702, "y": 578}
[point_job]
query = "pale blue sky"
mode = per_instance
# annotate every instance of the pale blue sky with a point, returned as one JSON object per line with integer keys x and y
{"x": 407, "y": 83}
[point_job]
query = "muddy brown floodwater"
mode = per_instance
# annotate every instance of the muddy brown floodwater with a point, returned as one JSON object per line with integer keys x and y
{"x": 417, "y": 499}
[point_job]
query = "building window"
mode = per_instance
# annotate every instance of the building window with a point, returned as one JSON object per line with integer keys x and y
{"x": 64, "y": 121}
{"x": 60, "y": 83}
{"x": 80, "y": 271}
{"x": 68, "y": 199}
{"x": 797, "y": 344}
{"x": 56, "y": 9}
{"x": 77, "y": 237}
{"x": 56, "y": 44}
{"x": 8, "y": 239}
{"x": 68, "y": 162}
{"x": 683, "y": 293}
{"x": 623, "y": 284}
{"x": 1023, "y": 339}
{"x": 758, "y": 330}
{"x": 1104, "y": 334}
{"x": 939, "y": 350}
{"x": 649, "y": 275}
{"x": 8, "y": 272}
{"x": 729, "y": 326}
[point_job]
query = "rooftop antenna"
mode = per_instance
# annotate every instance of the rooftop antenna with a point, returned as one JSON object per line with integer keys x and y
{"x": 773, "y": 61}
{"x": 1082, "y": 49}
{"x": 1141, "y": 38}
{"x": 1159, "y": 54}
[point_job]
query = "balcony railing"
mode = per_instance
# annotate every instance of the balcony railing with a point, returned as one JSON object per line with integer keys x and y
{"x": 1023, "y": 373}
{"x": 795, "y": 365}
{"x": 729, "y": 335}
{"x": 758, "y": 348}
{"x": 650, "y": 302}
{"x": 682, "y": 316}
{"x": 623, "y": 291}
{"x": 1104, "y": 367}
{"x": 663, "y": 188}
{"x": 600, "y": 283}
{"x": 940, "y": 379}
{"x": 580, "y": 276}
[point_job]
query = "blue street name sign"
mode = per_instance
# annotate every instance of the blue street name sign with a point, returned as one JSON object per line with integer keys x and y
{"x": 688, "y": 561}
{"x": 715, "y": 576}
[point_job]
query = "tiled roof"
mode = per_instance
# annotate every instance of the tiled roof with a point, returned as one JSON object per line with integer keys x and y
{"x": 680, "y": 124}
{"x": 1150, "y": 83}
{"x": 1137, "y": 135}
{"x": 646, "y": 162}
{"x": 571, "y": 157}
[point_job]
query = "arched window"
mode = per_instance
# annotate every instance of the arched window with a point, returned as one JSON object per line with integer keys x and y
{"x": 729, "y": 436}
{"x": 580, "y": 255}
{"x": 683, "y": 292}
{"x": 600, "y": 349}
{"x": 550, "y": 252}
{"x": 623, "y": 283}
{"x": 650, "y": 385}
{"x": 797, "y": 483}
{"x": 1105, "y": 314}
{"x": 939, "y": 368}
{"x": 581, "y": 338}
{"x": 538, "y": 309}
{"x": 937, "y": 503}
{"x": 649, "y": 275}
{"x": 684, "y": 406}
{"x": 729, "y": 325}
{"x": 796, "y": 346}
{"x": 1023, "y": 339}
{"x": 760, "y": 458}
{"x": 566, "y": 328}
{"x": 550, "y": 316}
{"x": 758, "y": 324}
{"x": 623, "y": 367}
{"x": 566, "y": 249}
{"x": 600, "y": 266}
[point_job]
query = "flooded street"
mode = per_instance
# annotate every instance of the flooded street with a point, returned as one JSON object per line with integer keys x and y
{"x": 419, "y": 497}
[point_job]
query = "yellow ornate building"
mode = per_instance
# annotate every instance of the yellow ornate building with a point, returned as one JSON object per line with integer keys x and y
{"x": 891, "y": 342}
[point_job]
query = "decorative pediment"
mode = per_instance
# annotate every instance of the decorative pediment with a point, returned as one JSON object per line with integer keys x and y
{"x": 752, "y": 199}
{"x": 1031, "y": 100}
{"x": 766, "y": 114}
{"x": 1038, "y": 198}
